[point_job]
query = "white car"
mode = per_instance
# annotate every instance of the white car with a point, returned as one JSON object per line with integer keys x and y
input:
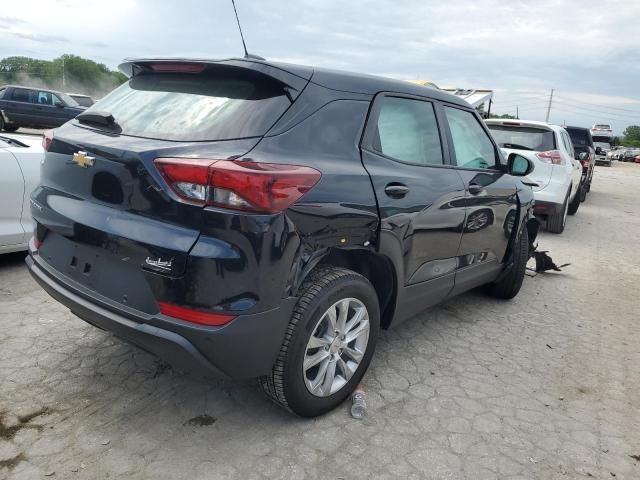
{"x": 20, "y": 157}
{"x": 602, "y": 130}
{"x": 557, "y": 173}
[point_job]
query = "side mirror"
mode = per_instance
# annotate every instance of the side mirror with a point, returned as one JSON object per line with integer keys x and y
{"x": 598, "y": 150}
{"x": 583, "y": 156}
{"x": 519, "y": 166}
{"x": 59, "y": 104}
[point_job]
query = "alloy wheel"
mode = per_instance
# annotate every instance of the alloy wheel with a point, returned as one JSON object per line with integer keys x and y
{"x": 336, "y": 347}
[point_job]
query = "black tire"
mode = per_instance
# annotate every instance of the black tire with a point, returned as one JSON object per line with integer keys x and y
{"x": 11, "y": 128}
{"x": 325, "y": 286}
{"x": 575, "y": 203}
{"x": 1, "y": 123}
{"x": 555, "y": 223}
{"x": 583, "y": 192}
{"x": 509, "y": 285}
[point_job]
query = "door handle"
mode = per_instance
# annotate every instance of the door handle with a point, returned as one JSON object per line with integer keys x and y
{"x": 475, "y": 189}
{"x": 396, "y": 190}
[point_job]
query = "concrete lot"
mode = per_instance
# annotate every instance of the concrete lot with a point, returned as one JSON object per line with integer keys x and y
{"x": 544, "y": 387}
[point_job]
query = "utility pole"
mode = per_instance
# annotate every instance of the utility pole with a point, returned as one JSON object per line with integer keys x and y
{"x": 549, "y": 106}
{"x": 63, "y": 82}
{"x": 518, "y": 112}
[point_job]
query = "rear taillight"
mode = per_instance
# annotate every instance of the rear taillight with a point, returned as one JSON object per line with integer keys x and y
{"x": 551, "y": 156}
{"x": 47, "y": 138}
{"x": 240, "y": 185}
{"x": 193, "y": 315}
{"x": 585, "y": 163}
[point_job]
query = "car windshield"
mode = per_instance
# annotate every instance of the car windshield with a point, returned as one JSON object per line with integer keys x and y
{"x": 525, "y": 138}
{"x": 68, "y": 100}
{"x": 219, "y": 104}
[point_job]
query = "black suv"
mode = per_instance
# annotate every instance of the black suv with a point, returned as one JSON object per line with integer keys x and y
{"x": 242, "y": 218}
{"x": 585, "y": 154}
{"x": 35, "y": 108}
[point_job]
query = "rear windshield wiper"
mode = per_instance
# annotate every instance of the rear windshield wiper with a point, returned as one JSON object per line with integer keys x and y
{"x": 99, "y": 118}
{"x": 13, "y": 142}
{"x": 515, "y": 146}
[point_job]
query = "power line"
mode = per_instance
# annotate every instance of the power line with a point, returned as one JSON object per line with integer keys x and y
{"x": 601, "y": 112}
{"x": 608, "y": 107}
{"x": 598, "y": 116}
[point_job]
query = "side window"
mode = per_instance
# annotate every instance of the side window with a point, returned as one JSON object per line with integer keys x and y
{"x": 56, "y": 99}
{"x": 44, "y": 98}
{"x": 471, "y": 144}
{"x": 407, "y": 131}
{"x": 22, "y": 95}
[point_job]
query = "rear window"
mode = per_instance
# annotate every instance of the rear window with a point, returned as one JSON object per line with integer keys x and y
{"x": 219, "y": 104}
{"x": 523, "y": 138}
{"x": 579, "y": 138}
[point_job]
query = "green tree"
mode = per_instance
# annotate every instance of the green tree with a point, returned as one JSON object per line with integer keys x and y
{"x": 631, "y": 136}
{"x": 69, "y": 73}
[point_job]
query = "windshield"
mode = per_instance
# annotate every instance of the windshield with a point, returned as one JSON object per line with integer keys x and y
{"x": 68, "y": 100}
{"x": 530, "y": 138}
{"x": 602, "y": 145}
{"x": 221, "y": 104}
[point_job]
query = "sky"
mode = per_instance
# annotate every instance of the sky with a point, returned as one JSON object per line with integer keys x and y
{"x": 587, "y": 51}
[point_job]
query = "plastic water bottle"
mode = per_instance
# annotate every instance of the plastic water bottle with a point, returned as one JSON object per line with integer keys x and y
{"x": 359, "y": 403}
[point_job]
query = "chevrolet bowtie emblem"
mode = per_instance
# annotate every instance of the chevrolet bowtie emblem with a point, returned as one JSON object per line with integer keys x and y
{"x": 83, "y": 160}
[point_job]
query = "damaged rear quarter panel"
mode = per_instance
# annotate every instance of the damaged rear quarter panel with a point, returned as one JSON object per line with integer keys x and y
{"x": 340, "y": 211}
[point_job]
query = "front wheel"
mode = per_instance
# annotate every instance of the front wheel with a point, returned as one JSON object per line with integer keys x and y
{"x": 328, "y": 343}
{"x": 509, "y": 285}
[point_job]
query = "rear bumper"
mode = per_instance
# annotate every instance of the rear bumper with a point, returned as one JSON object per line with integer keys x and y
{"x": 547, "y": 208}
{"x": 602, "y": 159}
{"x": 245, "y": 348}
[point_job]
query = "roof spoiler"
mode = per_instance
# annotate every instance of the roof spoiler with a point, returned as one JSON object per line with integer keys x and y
{"x": 294, "y": 82}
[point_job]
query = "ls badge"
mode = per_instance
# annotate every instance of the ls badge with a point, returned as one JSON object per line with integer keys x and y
{"x": 83, "y": 160}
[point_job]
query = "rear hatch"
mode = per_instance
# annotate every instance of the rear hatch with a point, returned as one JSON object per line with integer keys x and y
{"x": 537, "y": 143}
{"x": 105, "y": 214}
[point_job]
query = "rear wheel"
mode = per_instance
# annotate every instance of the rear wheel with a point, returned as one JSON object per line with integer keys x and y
{"x": 555, "y": 223}
{"x": 509, "y": 285}
{"x": 575, "y": 203}
{"x": 328, "y": 343}
{"x": 10, "y": 128}
{"x": 1, "y": 123}
{"x": 583, "y": 192}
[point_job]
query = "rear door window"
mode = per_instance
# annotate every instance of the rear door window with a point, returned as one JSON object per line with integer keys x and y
{"x": 523, "y": 138}
{"x": 217, "y": 104}
{"x": 22, "y": 95}
{"x": 471, "y": 144}
{"x": 407, "y": 131}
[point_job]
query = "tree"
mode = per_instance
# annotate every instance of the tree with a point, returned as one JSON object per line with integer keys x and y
{"x": 631, "y": 136}
{"x": 69, "y": 73}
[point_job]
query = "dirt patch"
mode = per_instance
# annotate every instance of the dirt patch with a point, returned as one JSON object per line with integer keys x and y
{"x": 201, "y": 420}
{"x": 8, "y": 432}
{"x": 11, "y": 463}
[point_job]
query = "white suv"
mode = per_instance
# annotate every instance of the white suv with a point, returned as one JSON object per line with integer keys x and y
{"x": 557, "y": 173}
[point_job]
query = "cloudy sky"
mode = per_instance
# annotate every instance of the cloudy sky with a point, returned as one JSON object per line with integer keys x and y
{"x": 587, "y": 51}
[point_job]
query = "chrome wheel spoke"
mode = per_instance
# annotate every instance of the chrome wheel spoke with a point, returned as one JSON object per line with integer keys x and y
{"x": 332, "y": 318}
{"x": 318, "y": 342}
{"x": 361, "y": 329}
{"x": 345, "y": 369}
{"x": 329, "y": 376}
{"x": 343, "y": 311}
{"x": 356, "y": 355}
{"x": 312, "y": 360}
{"x": 357, "y": 318}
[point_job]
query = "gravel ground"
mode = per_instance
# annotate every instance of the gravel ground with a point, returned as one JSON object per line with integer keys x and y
{"x": 543, "y": 387}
